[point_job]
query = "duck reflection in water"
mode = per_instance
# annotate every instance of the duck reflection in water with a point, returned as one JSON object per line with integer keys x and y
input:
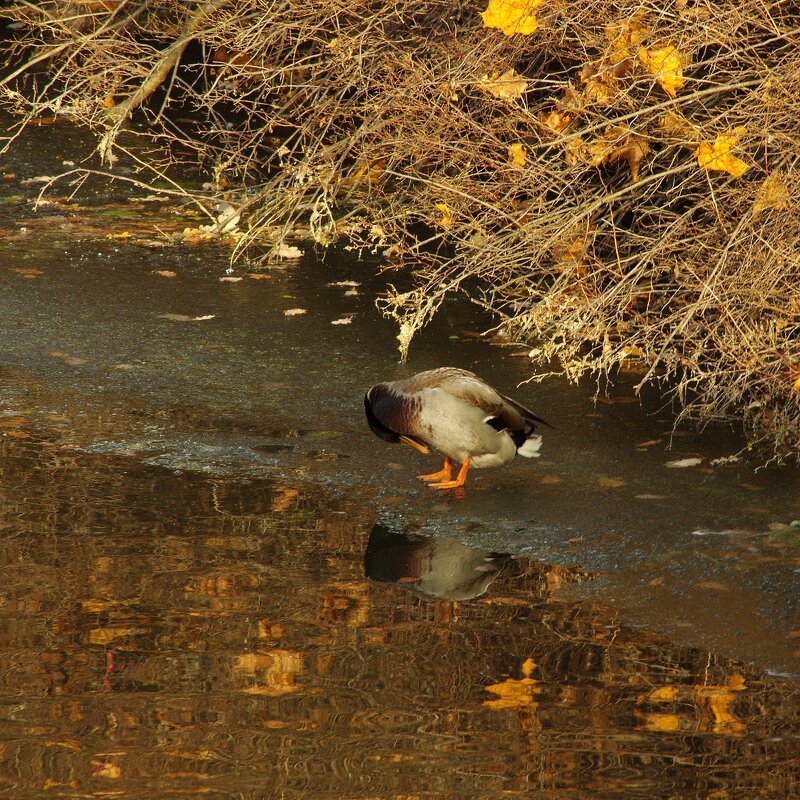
{"x": 440, "y": 568}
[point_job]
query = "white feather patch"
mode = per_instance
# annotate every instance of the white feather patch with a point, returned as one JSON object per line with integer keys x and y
{"x": 530, "y": 447}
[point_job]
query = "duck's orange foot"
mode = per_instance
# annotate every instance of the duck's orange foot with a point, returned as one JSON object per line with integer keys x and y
{"x": 445, "y": 473}
{"x": 457, "y": 483}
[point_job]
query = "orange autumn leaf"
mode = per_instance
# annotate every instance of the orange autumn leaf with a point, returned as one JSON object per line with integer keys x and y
{"x": 512, "y": 16}
{"x": 617, "y": 144}
{"x": 773, "y": 193}
{"x": 516, "y": 155}
{"x": 447, "y": 216}
{"x": 508, "y": 86}
{"x": 665, "y": 63}
{"x": 718, "y": 156}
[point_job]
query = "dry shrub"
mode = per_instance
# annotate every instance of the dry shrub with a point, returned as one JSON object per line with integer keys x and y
{"x": 605, "y": 206}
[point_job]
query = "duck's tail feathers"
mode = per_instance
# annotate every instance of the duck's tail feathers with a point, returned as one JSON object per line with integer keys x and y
{"x": 530, "y": 447}
{"x": 526, "y": 413}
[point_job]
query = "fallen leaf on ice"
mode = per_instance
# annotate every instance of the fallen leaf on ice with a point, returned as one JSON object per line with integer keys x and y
{"x": 287, "y": 251}
{"x": 344, "y": 283}
{"x": 610, "y": 483}
{"x": 165, "y": 273}
{"x": 185, "y": 317}
{"x": 73, "y": 361}
{"x": 293, "y": 312}
{"x": 342, "y": 321}
{"x": 27, "y": 272}
{"x": 647, "y": 496}
{"x": 650, "y": 443}
{"x": 230, "y": 279}
{"x": 683, "y": 462}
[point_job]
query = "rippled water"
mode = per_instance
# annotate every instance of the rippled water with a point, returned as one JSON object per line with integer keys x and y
{"x": 170, "y": 635}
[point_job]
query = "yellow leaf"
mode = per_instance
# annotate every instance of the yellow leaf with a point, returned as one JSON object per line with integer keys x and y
{"x": 797, "y": 384}
{"x": 718, "y": 156}
{"x": 516, "y": 154}
{"x": 677, "y": 127}
{"x": 623, "y": 35}
{"x": 598, "y": 91}
{"x": 618, "y": 144}
{"x": 665, "y": 64}
{"x": 447, "y": 217}
{"x": 512, "y": 16}
{"x": 556, "y": 121}
{"x": 508, "y": 86}
{"x": 633, "y": 351}
{"x": 773, "y": 193}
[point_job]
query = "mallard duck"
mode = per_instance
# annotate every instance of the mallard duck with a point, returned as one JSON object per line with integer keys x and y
{"x": 456, "y": 413}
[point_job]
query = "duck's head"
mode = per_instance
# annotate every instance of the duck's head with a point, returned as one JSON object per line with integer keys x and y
{"x": 387, "y": 434}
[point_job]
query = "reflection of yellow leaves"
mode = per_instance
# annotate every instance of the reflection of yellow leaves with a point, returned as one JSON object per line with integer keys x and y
{"x": 718, "y": 156}
{"x": 272, "y": 673}
{"x": 716, "y": 703}
{"x": 773, "y": 193}
{"x": 661, "y": 723}
{"x": 516, "y": 154}
{"x": 447, "y": 216}
{"x": 663, "y": 694}
{"x": 665, "y": 64}
{"x": 112, "y": 633}
{"x": 508, "y": 86}
{"x": 106, "y": 769}
{"x": 512, "y": 16}
{"x": 515, "y": 693}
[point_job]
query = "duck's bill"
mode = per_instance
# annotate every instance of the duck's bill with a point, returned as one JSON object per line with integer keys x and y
{"x": 416, "y": 444}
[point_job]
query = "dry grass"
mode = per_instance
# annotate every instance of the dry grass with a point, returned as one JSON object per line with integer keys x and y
{"x": 374, "y": 121}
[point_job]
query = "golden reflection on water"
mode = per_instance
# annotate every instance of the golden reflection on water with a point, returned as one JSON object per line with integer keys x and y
{"x": 170, "y": 636}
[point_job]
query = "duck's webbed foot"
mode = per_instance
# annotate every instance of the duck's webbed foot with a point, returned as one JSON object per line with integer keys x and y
{"x": 444, "y": 474}
{"x": 459, "y": 479}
